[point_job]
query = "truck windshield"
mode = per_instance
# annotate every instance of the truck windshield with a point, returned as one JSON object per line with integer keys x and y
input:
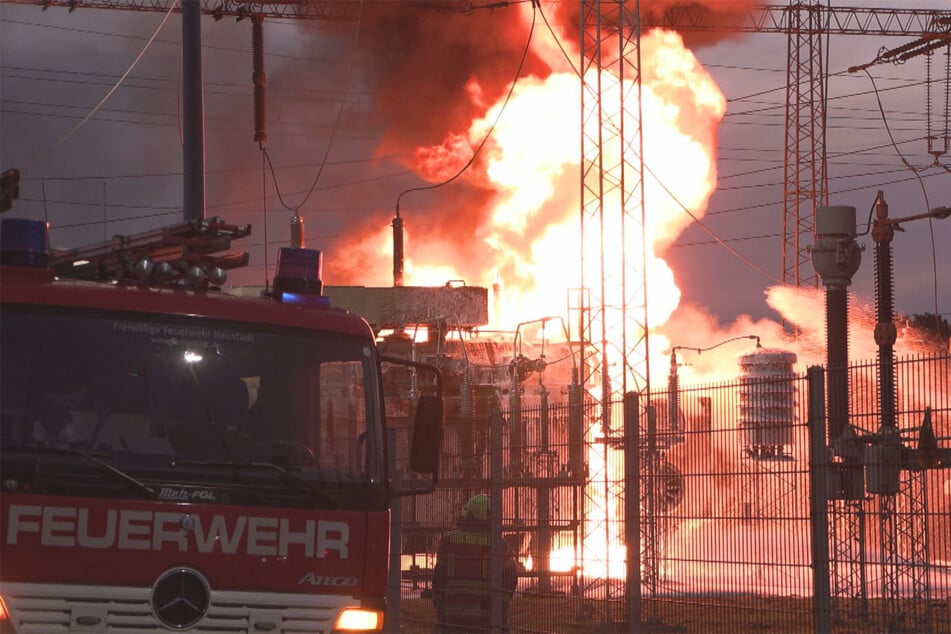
{"x": 181, "y": 395}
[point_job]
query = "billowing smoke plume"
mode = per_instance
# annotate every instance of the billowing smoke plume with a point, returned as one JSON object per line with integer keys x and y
{"x": 432, "y": 74}
{"x": 715, "y": 15}
{"x": 421, "y": 66}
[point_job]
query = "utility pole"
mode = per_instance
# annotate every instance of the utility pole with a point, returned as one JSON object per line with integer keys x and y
{"x": 193, "y": 110}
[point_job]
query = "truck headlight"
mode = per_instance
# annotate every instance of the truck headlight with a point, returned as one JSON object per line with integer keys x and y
{"x": 359, "y": 620}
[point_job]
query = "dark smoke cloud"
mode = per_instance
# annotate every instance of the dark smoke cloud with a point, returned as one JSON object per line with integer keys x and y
{"x": 418, "y": 67}
{"x": 716, "y": 15}
{"x": 419, "y": 63}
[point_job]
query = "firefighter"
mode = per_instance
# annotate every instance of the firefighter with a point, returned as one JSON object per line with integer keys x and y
{"x": 462, "y": 575}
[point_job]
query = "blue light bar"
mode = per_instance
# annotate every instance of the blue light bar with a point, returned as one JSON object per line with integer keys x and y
{"x": 298, "y": 272}
{"x": 303, "y": 299}
{"x": 24, "y": 242}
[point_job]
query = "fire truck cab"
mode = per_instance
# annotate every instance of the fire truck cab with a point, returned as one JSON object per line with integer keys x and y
{"x": 175, "y": 457}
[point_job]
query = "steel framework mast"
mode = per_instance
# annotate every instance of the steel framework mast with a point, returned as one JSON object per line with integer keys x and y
{"x": 613, "y": 249}
{"x": 805, "y": 181}
{"x": 613, "y": 240}
{"x": 612, "y": 188}
{"x": 609, "y": 178}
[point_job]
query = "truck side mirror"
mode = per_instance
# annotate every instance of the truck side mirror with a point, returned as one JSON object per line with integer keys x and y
{"x": 427, "y": 435}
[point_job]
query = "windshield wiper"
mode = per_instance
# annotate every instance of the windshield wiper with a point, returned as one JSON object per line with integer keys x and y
{"x": 317, "y": 495}
{"x": 97, "y": 459}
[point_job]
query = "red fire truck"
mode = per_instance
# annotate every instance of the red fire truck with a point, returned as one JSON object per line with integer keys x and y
{"x": 175, "y": 457}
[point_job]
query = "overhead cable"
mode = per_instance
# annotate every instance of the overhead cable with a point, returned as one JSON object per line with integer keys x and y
{"x": 491, "y": 129}
{"x": 108, "y": 94}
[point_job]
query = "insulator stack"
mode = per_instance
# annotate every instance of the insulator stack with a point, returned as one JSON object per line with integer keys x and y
{"x": 837, "y": 336}
{"x": 397, "y": 251}
{"x": 836, "y": 257}
{"x": 297, "y": 231}
{"x": 885, "y": 332}
{"x": 258, "y": 78}
{"x": 767, "y": 403}
{"x": 576, "y": 453}
{"x": 673, "y": 399}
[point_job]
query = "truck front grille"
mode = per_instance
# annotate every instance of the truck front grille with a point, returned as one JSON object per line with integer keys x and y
{"x": 50, "y": 608}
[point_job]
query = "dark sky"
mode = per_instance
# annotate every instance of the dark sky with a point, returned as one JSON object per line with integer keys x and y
{"x": 120, "y": 172}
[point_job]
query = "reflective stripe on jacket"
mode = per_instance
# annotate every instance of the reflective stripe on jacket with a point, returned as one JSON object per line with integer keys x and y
{"x": 461, "y": 586}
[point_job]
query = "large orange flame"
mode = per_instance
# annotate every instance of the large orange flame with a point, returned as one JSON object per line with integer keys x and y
{"x": 531, "y": 162}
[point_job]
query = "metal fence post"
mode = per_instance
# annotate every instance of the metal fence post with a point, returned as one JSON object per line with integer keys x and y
{"x": 495, "y": 520}
{"x": 819, "y": 501}
{"x": 632, "y": 507}
{"x": 394, "y": 588}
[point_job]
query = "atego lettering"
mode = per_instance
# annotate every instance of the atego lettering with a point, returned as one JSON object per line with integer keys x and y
{"x": 127, "y": 529}
{"x": 320, "y": 580}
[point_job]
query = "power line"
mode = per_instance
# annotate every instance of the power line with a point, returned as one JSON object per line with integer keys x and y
{"x": 700, "y": 243}
{"x": 178, "y": 174}
{"x": 215, "y": 123}
{"x": 491, "y": 129}
{"x": 204, "y": 46}
{"x": 229, "y": 204}
{"x": 108, "y": 94}
{"x": 169, "y": 84}
{"x": 333, "y": 134}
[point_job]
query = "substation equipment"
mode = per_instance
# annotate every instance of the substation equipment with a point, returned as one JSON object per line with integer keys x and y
{"x": 880, "y": 463}
{"x": 767, "y": 421}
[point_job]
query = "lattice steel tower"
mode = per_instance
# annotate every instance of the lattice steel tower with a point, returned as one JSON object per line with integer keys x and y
{"x": 612, "y": 195}
{"x": 614, "y": 250}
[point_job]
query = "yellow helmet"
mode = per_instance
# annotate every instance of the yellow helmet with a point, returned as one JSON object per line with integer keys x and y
{"x": 477, "y": 507}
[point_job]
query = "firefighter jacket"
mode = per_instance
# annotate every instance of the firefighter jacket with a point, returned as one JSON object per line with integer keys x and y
{"x": 462, "y": 576}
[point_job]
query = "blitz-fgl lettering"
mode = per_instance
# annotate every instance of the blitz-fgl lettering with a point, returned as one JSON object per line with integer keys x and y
{"x": 187, "y": 495}
{"x": 127, "y": 529}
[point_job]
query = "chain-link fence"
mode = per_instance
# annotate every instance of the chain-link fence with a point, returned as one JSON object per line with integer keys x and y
{"x": 735, "y": 483}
